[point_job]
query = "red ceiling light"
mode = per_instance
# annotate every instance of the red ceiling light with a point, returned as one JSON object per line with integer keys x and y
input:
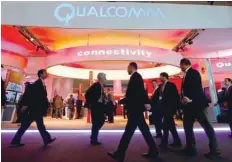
{"x": 31, "y": 38}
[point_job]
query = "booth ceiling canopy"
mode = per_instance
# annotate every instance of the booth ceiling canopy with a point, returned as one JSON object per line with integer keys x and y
{"x": 55, "y": 39}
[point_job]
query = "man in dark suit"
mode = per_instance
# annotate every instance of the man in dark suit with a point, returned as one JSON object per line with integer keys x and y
{"x": 95, "y": 96}
{"x": 36, "y": 103}
{"x": 157, "y": 112}
{"x": 137, "y": 102}
{"x": 228, "y": 98}
{"x": 79, "y": 103}
{"x": 194, "y": 106}
{"x": 3, "y": 92}
{"x": 169, "y": 101}
{"x": 20, "y": 115}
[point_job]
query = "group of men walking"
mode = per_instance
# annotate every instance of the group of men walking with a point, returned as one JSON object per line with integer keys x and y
{"x": 163, "y": 104}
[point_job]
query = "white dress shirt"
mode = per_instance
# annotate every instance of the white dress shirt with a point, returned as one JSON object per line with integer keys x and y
{"x": 164, "y": 85}
{"x": 186, "y": 72}
{"x": 102, "y": 97}
{"x": 43, "y": 84}
{"x": 133, "y": 72}
{"x": 155, "y": 90}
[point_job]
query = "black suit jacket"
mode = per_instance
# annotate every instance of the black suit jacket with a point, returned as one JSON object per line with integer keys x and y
{"x": 170, "y": 99}
{"x": 136, "y": 95}
{"x": 229, "y": 98}
{"x": 93, "y": 94}
{"x": 26, "y": 97}
{"x": 40, "y": 101}
{"x": 192, "y": 88}
{"x": 3, "y": 93}
{"x": 79, "y": 103}
{"x": 154, "y": 100}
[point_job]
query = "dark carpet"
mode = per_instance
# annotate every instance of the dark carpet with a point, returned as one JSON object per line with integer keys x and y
{"x": 74, "y": 147}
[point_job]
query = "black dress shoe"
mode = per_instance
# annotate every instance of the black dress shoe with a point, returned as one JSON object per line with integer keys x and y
{"x": 50, "y": 141}
{"x": 176, "y": 144}
{"x": 95, "y": 143}
{"x": 16, "y": 145}
{"x": 117, "y": 156}
{"x": 190, "y": 151}
{"x": 151, "y": 155}
{"x": 213, "y": 155}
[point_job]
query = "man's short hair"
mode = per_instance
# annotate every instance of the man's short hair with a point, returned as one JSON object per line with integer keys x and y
{"x": 154, "y": 80}
{"x": 229, "y": 80}
{"x": 185, "y": 61}
{"x": 101, "y": 75}
{"x": 164, "y": 74}
{"x": 134, "y": 65}
{"x": 40, "y": 72}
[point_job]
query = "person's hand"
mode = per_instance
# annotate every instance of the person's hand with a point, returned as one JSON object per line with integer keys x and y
{"x": 24, "y": 108}
{"x": 147, "y": 107}
{"x": 185, "y": 100}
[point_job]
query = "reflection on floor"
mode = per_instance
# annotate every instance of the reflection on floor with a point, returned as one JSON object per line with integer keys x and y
{"x": 52, "y": 123}
{"x": 74, "y": 147}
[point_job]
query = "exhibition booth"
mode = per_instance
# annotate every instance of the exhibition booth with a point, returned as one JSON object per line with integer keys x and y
{"x": 75, "y": 41}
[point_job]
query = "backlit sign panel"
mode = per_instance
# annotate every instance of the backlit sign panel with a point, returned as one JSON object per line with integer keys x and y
{"x": 221, "y": 65}
{"x": 116, "y": 15}
{"x": 70, "y": 12}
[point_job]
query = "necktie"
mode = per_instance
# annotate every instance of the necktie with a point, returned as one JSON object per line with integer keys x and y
{"x": 228, "y": 90}
{"x": 161, "y": 90}
{"x": 182, "y": 84}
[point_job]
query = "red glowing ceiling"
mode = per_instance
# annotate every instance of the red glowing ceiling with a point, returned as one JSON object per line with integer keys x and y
{"x": 209, "y": 40}
{"x": 58, "y": 38}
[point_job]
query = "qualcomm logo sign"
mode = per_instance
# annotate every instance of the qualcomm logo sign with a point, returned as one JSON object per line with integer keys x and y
{"x": 122, "y": 12}
{"x": 222, "y": 64}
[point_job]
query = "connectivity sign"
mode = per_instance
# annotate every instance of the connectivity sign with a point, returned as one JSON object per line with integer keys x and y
{"x": 66, "y": 12}
{"x": 116, "y": 52}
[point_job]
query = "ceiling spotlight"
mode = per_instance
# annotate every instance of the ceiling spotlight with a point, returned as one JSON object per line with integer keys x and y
{"x": 190, "y": 42}
{"x": 32, "y": 39}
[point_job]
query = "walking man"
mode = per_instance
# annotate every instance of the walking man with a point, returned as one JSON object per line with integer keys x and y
{"x": 96, "y": 97}
{"x": 34, "y": 101}
{"x": 169, "y": 101}
{"x": 157, "y": 112}
{"x": 137, "y": 102}
{"x": 194, "y": 106}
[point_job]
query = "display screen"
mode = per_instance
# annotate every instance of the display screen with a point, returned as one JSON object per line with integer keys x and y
{"x": 14, "y": 87}
{"x": 18, "y": 96}
{"x": 10, "y": 96}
